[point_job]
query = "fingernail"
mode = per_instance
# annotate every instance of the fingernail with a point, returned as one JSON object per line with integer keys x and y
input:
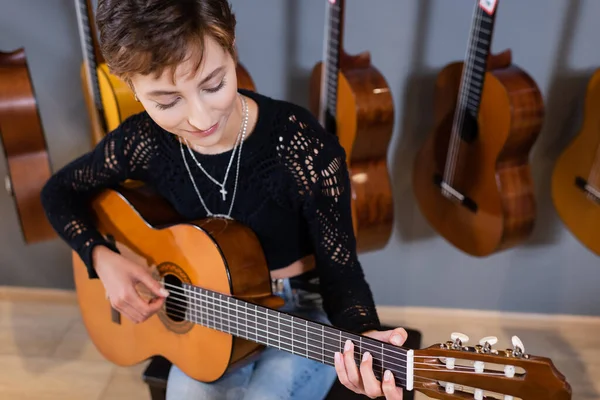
{"x": 366, "y": 356}
{"x": 164, "y": 292}
{"x": 337, "y": 356}
{"x": 388, "y": 375}
{"x": 397, "y": 340}
{"x": 348, "y": 345}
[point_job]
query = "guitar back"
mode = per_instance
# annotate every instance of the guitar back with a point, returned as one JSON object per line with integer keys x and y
{"x": 216, "y": 254}
{"x": 579, "y": 211}
{"x": 494, "y": 170}
{"x": 364, "y": 121}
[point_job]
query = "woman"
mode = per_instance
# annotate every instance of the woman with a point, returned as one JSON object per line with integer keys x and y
{"x": 212, "y": 149}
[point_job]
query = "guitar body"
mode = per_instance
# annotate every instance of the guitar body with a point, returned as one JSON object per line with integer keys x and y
{"x": 22, "y": 137}
{"x": 365, "y": 122}
{"x": 496, "y": 173}
{"x": 119, "y": 102}
{"x": 216, "y": 254}
{"x": 578, "y": 211}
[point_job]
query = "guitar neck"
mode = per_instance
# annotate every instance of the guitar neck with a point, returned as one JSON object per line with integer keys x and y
{"x": 478, "y": 50}
{"x": 286, "y": 332}
{"x": 334, "y": 27}
{"x": 90, "y": 51}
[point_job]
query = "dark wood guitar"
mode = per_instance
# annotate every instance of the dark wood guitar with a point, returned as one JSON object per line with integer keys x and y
{"x": 105, "y": 94}
{"x": 221, "y": 312}
{"x": 472, "y": 177}
{"x": 24, "y": 143}
{"x": 576, "y": 175}
{"x": 353, "y": 100}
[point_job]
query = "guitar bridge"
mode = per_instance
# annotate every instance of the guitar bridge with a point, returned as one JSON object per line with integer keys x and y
{"x": 588, "y": 189}
{"x": 449, "y": 192}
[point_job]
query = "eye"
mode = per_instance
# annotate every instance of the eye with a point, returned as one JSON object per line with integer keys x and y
{"x": 165, "y": 106}
{"x": 216, "y": 88}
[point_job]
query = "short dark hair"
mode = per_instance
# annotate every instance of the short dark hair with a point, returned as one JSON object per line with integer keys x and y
{"x": 148, "y": 36}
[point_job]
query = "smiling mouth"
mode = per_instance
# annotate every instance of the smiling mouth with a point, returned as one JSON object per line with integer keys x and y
{"x": 205, "y": 132}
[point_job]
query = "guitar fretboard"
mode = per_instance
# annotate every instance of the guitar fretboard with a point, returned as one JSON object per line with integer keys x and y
{"x": 476, "y": 62}
{"x": 284, "y": 331}
{"x": 331, "y": 63}
{"x": 88, "y": 51}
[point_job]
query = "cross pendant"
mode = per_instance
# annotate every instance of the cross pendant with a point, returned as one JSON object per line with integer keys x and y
{"x": 223, "y": 192}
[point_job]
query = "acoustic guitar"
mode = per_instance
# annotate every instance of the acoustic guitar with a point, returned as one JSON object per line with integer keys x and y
{"x": 353, "y": 100}
{"x": 24, "y": 143}
{"x": 221, "y": 312}
{"x": 105, "y": 94}
{"x": 576, "y": 175}
{"x": 472, "y": 177}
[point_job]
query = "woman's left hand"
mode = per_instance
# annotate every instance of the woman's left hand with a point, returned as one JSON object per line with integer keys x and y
{"x": 365, "y": 382}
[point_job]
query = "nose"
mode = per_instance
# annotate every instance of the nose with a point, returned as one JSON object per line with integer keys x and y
{"x": 198, "y": 116}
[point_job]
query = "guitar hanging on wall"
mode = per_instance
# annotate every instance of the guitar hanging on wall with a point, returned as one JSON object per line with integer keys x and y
{"x": 576, "y": 175}
{"x": 472, "y": 178}
{"x": 24, "y": 143}
{"x": 109, "y": 100}
{"x": 353, "y": 101}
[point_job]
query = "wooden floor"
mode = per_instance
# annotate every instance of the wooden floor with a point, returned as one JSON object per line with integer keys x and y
{"x": 45, "y": 352}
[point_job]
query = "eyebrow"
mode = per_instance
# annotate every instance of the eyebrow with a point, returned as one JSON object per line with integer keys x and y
{"x": 170, "y": 92}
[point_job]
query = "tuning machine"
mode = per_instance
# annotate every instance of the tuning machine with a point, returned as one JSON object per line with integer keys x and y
{"x": 486, "y": 343}
{"x": 518, "y": 350}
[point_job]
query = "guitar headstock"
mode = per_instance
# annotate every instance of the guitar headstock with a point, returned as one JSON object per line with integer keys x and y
{"x": 453, "y": 370}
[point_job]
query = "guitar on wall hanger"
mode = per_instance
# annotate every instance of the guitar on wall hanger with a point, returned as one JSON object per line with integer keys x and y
{"x": 472, "y": 177}
{"x": 576, "y": 175}
{"x": 24, "y": 144}
{"x": 221, "y": 312}
{"x": 109, "y": 100}
{"x": 353, "y": 101}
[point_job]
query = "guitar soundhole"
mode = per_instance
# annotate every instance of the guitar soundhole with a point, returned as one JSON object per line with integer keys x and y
{"x": 173, "y": 314}
{"x": 176, "y": 304}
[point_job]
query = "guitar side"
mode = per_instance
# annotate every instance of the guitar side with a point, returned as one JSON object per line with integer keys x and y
{"x": 365, "y": 122}
{"x": 580, "y": 214}
{"x": 496, "y": 170}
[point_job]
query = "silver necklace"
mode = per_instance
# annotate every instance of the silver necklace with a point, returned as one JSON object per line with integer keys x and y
{"x": 223, "y": 191}
{"x": 241, "y": 143}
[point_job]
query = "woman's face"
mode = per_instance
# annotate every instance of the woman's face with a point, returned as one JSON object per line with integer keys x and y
{"x": 199, "y": 104}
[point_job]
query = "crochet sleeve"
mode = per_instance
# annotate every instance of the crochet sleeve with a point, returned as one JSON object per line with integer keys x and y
{"x": 317, "y": 162}
{"x": 122, "y": 154}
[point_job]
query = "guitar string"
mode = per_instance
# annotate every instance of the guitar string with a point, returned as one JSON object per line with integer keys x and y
{"x": 455, "y": 123}
{"x": 455, "y": 148}
{"x": 181, "y": 312}
{"x": 200, "y": 296}
{"x": 306, "y": 326}
{"x": 468, "y": 74}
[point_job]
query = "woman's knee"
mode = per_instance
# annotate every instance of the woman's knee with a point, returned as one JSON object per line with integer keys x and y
{"x": 181, "y": 387}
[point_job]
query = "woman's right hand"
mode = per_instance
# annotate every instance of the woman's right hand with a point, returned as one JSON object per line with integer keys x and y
{"x": 120, "y": 277}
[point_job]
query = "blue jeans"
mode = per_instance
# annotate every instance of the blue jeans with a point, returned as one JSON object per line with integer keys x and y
{"x": 275, "y": 375}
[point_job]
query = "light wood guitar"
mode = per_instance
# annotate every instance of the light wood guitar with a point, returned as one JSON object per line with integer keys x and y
{"x": 472, "y": 178}
{"x": 221, "y": 312}
{"x": 353, "y": 101}
{"x": 576, "y": 175}
{"x": 104, "y": 93}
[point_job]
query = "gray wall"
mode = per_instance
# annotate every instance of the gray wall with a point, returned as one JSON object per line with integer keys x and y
{"x": 410, "y": 40}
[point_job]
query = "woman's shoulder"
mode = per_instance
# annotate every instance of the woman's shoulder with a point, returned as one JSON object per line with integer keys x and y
{"x": 294, "y": 127}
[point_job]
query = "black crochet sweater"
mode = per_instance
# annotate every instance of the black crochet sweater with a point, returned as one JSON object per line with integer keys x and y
{"x": 293, "y": 192}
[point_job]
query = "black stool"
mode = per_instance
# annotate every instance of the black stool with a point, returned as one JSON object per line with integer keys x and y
{"x": 157, "y": 372}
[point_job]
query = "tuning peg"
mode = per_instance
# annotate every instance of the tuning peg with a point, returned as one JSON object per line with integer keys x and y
{"x": 492, "y": 340}
{"x": 459, "y": 338}
{"x": 518, "y": 347}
